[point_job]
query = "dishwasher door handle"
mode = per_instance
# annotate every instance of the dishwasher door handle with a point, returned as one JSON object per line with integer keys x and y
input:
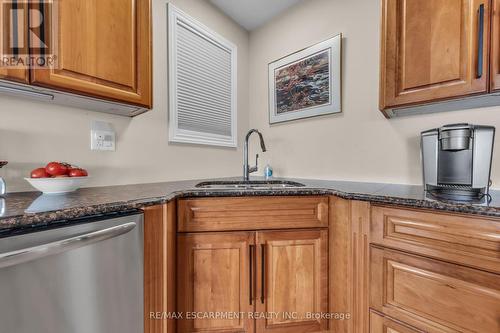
{"x": 31, "y": 253}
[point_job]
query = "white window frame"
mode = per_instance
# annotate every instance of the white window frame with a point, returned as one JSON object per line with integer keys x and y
{"x": 174, "y": 18}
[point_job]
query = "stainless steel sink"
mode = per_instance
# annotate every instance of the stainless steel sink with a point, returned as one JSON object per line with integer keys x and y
{"x": 249, "y": 185}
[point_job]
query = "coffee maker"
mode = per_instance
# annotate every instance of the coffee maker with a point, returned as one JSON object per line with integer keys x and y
{"x": 457, "y": 161}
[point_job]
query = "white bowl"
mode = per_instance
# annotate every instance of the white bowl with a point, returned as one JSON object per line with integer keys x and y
{"x": 57, "y": 185}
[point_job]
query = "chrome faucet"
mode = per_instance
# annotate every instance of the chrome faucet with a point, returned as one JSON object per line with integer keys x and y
{"x": 247, "y": 170}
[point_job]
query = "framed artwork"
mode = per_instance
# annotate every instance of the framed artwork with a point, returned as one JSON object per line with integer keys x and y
{"x": 306, "y": 83}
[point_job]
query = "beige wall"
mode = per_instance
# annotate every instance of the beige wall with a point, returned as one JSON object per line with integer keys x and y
{"x": 360, "y": 144}
{"x": 32, "y": 134}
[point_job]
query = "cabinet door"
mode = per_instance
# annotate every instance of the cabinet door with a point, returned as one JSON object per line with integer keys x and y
{"x": 214, "y": 280}
{"x": 381, "y": 324}
{"x": 292, "y": 275}
{"x": 433, "y": 50}
{"x": 422, "y": 291}
{"x": 11, "y": 30}
{"x": 103, "y": 49}
{"x": 495, "y": 47}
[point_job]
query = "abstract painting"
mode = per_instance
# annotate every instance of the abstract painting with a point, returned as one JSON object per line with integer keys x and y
{"x": 303, "y": 84}
{"x": 306, "y": 83}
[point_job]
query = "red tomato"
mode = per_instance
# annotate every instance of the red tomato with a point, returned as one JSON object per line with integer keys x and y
{"x": 39, "y": 173}
{"x": 78, "y": 172}
{"x": 56, "y": 168}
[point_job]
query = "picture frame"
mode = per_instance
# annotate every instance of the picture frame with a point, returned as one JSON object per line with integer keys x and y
{"x": 306, "y": 83}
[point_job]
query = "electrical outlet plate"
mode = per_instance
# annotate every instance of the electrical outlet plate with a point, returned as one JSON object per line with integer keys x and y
{"x": 102, "y": 136}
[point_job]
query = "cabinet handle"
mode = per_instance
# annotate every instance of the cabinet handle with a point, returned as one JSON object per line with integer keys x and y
{"x": 263, "y": 274}
{"x": 480, "y": 41}
{"x": 250, "y": 279}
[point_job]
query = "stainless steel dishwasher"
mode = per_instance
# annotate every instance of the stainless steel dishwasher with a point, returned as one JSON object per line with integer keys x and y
{"x": 82, "y": 278}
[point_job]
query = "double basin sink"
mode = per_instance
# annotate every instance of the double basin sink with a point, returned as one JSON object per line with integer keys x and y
{"x": 249, "y": 185}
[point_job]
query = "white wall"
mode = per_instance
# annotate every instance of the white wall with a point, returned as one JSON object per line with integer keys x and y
{"x": 32, "y": 134}
{"x": 360, "y": 144}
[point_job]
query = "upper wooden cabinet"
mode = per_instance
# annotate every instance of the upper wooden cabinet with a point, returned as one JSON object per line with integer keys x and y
{"x": 495, "y": 47}
{"x": 103, "y": 49}
{"x": 20, "y": 75}
{"x": 6, "y": 73}
{"x": 433, "y": 50}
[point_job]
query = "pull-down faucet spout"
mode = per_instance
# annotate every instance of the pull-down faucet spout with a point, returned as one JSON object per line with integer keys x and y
{"x": 247, "y": 170}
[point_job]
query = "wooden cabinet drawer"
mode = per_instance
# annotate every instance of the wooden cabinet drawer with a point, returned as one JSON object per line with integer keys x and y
{"x": 252, "y": 213}
{"x": 382, "y": 324}
{"x": 425, "y": 292}
{"x": 473, "y": 241}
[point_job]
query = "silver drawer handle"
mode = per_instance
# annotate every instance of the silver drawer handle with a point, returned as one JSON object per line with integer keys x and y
{"x": 39, "y": 251}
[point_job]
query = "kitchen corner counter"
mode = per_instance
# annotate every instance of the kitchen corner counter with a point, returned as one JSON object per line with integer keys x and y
{"x": 29, "y": 210}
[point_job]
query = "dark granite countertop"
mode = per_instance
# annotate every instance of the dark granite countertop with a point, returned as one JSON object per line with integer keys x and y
{"x": 30, "y": 210}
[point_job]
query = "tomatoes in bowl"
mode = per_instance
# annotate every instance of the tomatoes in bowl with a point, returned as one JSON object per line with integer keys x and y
{"x": 77, "y": 172}
{"x": 57, "y": 168}
{"x": 39, "y": 173}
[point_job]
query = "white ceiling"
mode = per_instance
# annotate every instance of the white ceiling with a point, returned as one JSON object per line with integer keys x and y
{"x": 251, "y": 14}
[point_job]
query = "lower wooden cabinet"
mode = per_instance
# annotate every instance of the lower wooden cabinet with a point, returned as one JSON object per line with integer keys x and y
{"x": 426, "y": 293}
{"x": 391, "y": 269}
{"x": 246, "y": 281}
{"x": 215, "y": 279}
{"x": 292, "y": 277}
{"x": 382, "y": 324}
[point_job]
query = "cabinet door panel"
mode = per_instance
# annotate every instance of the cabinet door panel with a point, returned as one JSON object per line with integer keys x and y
{"x": 6, "y": 72}
{"x": 495, "y": 47}
{"x": 293, "y": 280}
{"x": 103, "y": 50}
{"x": 440, "y": 235}
{"x": 430, "y": 50}
{"x": 252, "y": 213}
{"x": 381, "y": 324}
{"x": 214, "y": 277}
{"x": 423, "y": 292}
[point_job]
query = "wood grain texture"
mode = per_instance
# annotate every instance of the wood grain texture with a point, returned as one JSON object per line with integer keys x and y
{"x": 341, "y": 286}
{"x": 360, "y": 233}
{"x": 214, "y": 277}
{"x": 159, "y": 266}
{"x": 429, "y": 51}
{"x": 495, "y": 47}
{"x": 6, "y": 73}
{"x": 252, "y": 213}
{"x": 467, "y": 240}
{"x": 425, "y": 292}
{"x": 103, "y": 49}
{"x": 292, "y": 275}
{"x": 382, "y": 324}
{"x": 349, "y": 264}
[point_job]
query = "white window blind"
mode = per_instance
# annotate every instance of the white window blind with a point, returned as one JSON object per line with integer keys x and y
{"x": 202, "y": 83}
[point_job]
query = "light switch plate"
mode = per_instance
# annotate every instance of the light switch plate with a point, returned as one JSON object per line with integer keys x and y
{"x": 102, "y": 136}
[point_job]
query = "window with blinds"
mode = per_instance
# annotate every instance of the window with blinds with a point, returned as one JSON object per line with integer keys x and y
{"x": 202, "y": 83}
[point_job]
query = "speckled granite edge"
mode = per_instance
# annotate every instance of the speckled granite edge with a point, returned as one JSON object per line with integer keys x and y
{"x": 375, "y": 193}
